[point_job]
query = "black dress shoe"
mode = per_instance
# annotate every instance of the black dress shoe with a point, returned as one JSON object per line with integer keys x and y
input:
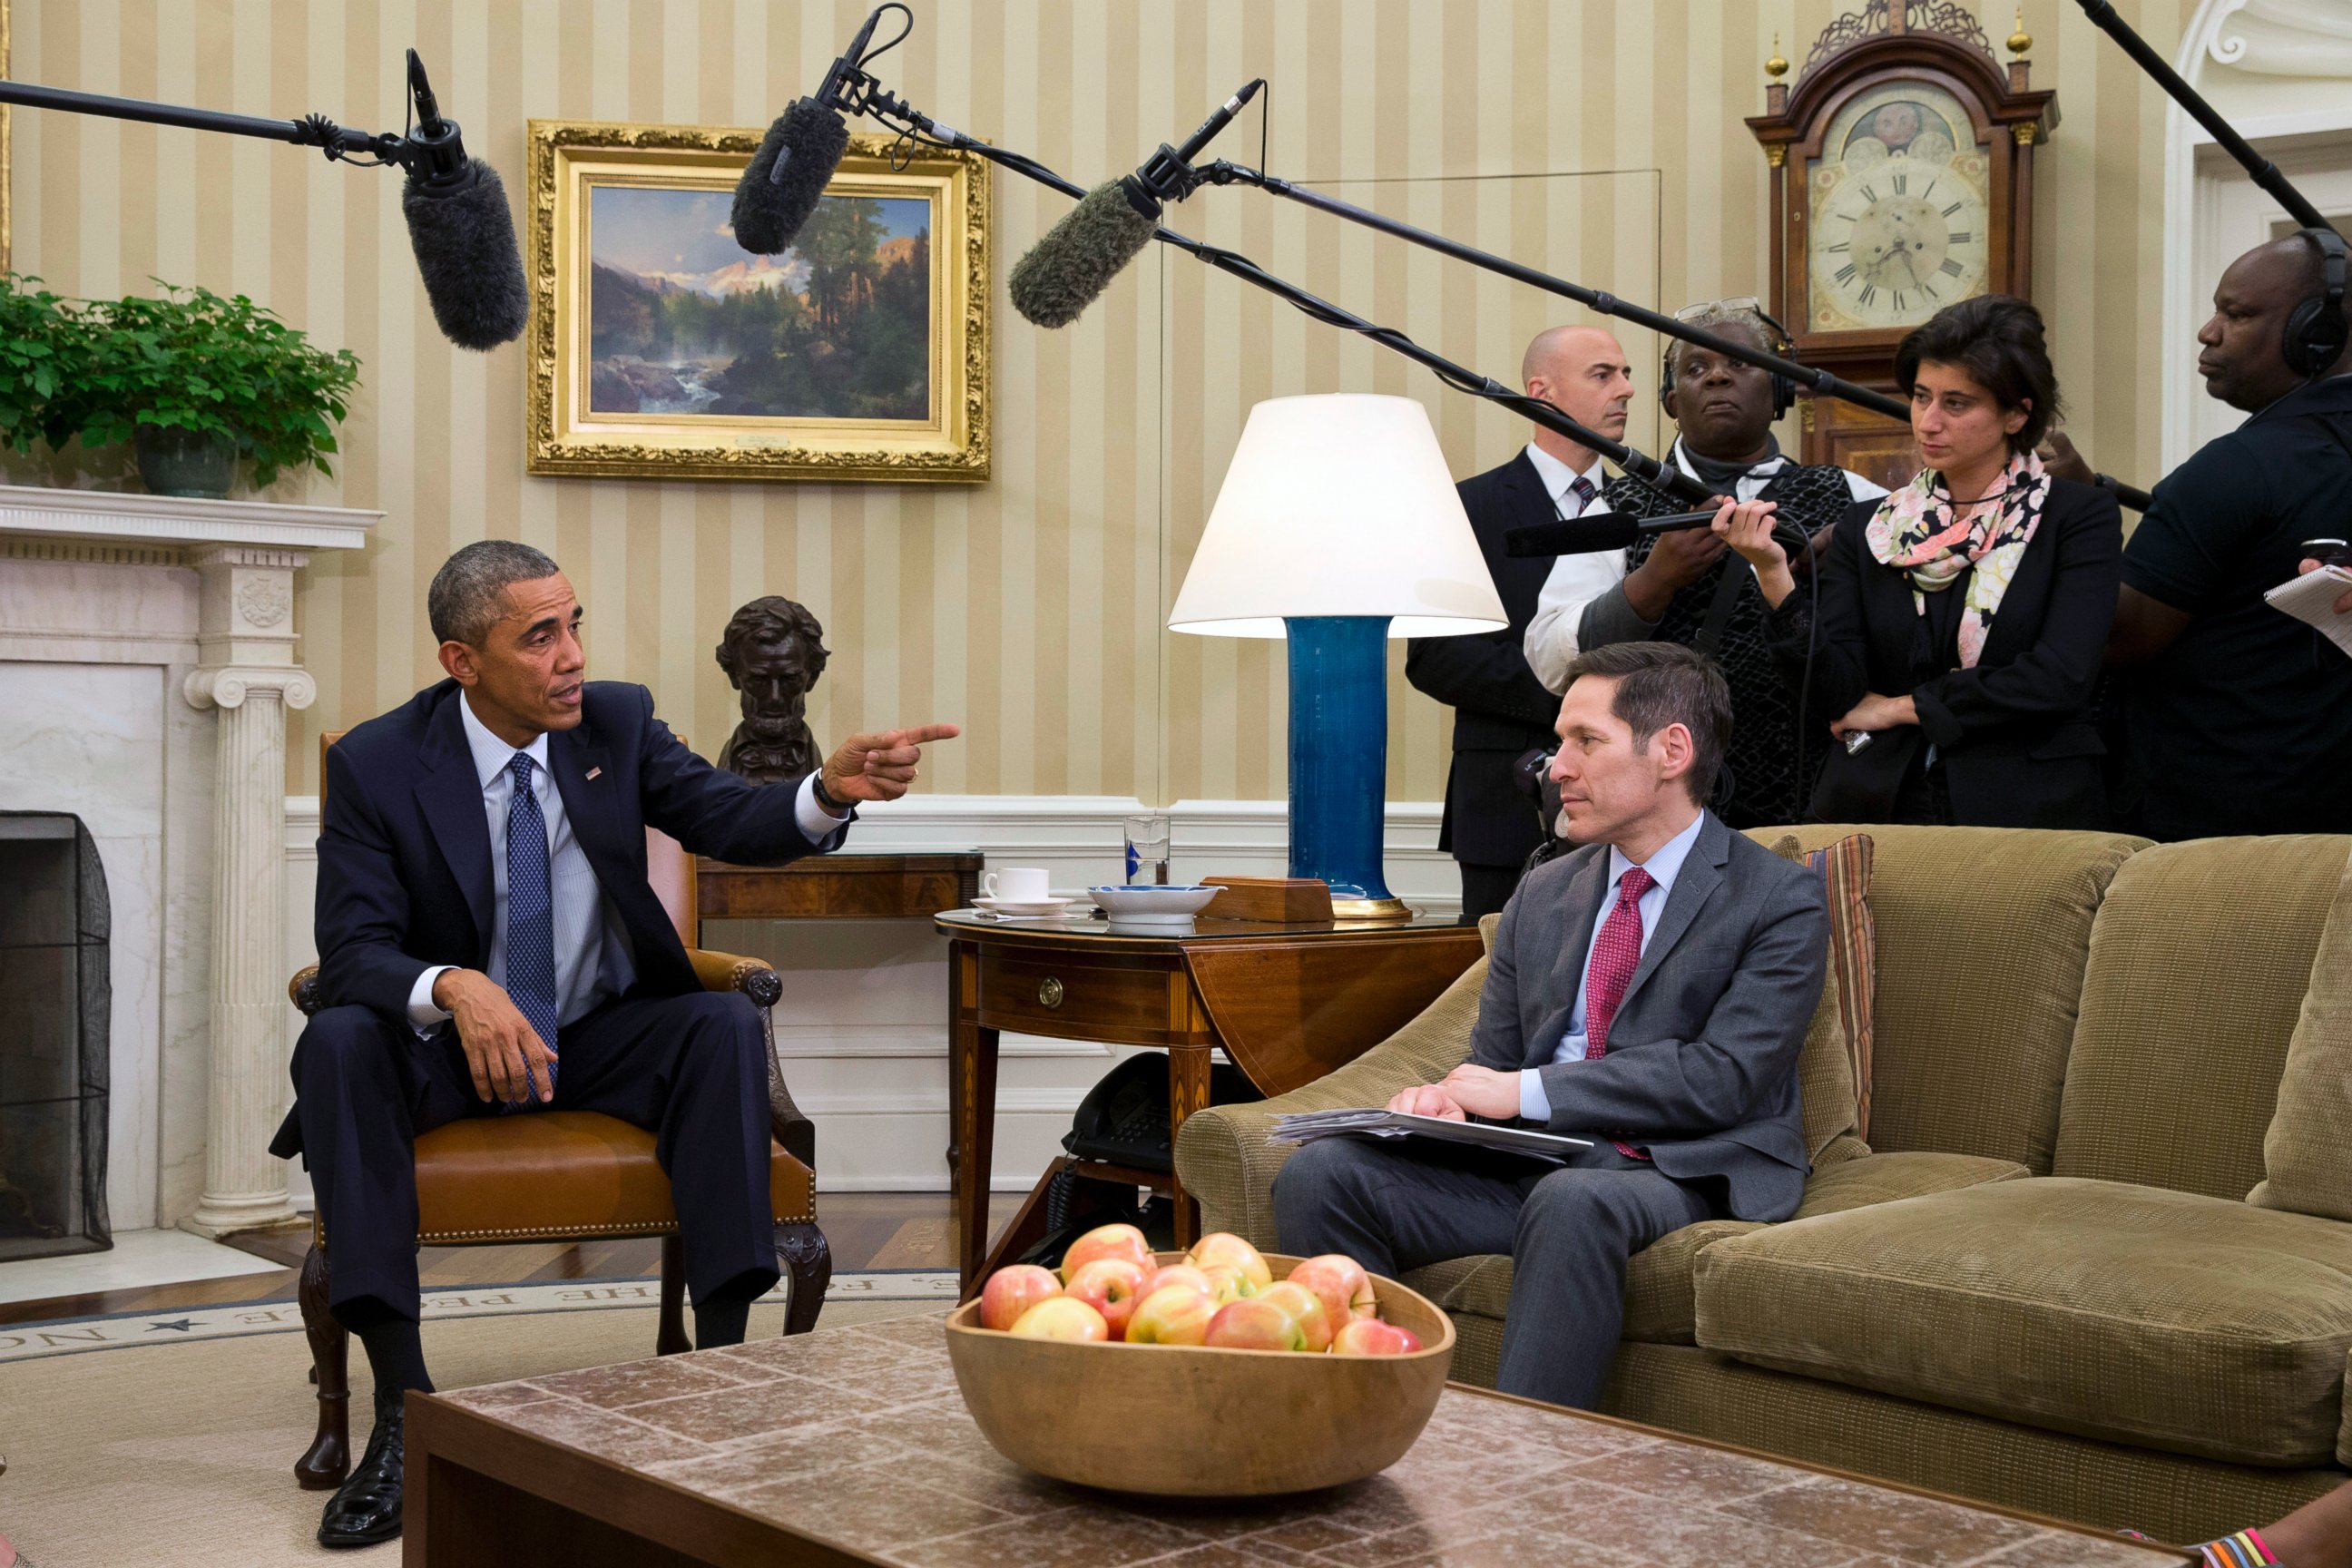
{"x": 366, "y": 1507}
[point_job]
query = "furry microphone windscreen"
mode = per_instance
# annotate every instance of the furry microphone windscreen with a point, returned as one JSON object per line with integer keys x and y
{"x": 771, "y": 204}
{"x": 1068, "y": 269}
{"x": 465, "y": 243}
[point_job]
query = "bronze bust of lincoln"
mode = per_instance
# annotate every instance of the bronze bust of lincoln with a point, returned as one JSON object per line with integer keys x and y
{"x": 773, "y": 652}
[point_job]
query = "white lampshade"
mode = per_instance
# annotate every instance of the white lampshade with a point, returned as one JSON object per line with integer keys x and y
{"x": 1337, "y": 504}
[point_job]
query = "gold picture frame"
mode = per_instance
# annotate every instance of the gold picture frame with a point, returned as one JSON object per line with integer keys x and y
{"x": 761, "y": 381}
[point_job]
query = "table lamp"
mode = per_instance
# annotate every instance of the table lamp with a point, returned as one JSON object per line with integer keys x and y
{"x": 1338, "y": 527}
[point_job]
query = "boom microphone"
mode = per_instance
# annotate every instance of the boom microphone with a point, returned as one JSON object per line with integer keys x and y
{"x": 458, "y": 224}
{"x": 460, "y": 229}
{"x": 1615, "y": 531}
{"x": 787, "y": 175}
{"x": 1069, "y": 268}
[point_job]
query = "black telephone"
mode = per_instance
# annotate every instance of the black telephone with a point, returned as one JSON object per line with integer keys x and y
{"x": 1124, "y": 1118}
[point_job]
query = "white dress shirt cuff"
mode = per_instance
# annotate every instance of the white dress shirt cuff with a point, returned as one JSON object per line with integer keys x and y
{"x": 1534, "y": 1104}
{"x": 815, "y": 821}
{"x": 422, "y": 1016}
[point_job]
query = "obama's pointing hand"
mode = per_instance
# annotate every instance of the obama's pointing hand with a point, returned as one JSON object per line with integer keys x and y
{"x": 881, "y": 767}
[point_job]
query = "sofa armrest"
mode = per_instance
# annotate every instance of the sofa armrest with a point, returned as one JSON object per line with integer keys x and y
{"x": 1885, "y": 1178}
{"x": 1222, "y": 1157}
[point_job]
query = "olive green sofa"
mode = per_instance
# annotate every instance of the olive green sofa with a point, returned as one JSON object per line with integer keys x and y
{"x": 2037, "y": 1282}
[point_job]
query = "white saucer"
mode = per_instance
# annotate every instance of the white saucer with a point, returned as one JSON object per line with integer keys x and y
{"x": 1023, "y": 909}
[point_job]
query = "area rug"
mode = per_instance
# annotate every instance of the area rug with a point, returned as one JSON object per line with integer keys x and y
{"x": 180, "y": 1449}
{"x": 29, "y": 1342}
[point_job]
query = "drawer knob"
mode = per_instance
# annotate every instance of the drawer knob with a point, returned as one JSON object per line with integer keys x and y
{"x": 1049, "y": 992}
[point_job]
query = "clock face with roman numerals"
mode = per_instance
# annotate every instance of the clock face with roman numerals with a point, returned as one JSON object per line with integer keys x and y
{"x": 1897, "y": 212}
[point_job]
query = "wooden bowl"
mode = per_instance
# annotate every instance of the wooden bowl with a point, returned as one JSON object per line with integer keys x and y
{"x": 1193, "y": 1421}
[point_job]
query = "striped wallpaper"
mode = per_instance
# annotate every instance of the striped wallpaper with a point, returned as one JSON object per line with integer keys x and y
{"x": 1601, "y": 139}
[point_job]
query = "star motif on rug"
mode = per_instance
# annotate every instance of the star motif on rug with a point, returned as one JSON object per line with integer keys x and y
{"x": 182, "y": 1325}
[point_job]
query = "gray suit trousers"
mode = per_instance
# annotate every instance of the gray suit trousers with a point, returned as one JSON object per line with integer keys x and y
{"x": 1570, "y": 1233}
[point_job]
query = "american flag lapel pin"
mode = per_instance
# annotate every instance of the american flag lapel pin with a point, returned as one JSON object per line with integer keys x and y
{"x": 593, "y": 771}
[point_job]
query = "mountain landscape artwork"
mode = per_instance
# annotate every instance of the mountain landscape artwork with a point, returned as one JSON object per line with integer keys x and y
{"x": 683, "y": 321}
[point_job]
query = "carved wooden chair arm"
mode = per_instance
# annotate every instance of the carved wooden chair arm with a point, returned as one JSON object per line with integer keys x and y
{"x": 728, "y": 972}
{"x": 766, "y": 988}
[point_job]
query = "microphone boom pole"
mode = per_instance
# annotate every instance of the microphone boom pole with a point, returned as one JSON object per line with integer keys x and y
{"x": 1812, "y": 378}
{"x": 1642, "y": 466}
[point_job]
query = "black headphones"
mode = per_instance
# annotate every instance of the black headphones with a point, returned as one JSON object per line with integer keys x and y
{"x": 2315, "y": 331}
{"x": 1784, "y": 389}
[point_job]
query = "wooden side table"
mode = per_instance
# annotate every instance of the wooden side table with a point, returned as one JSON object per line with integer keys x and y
{"x": 1288, "y": 1004}
{"x": 838, "y": 887}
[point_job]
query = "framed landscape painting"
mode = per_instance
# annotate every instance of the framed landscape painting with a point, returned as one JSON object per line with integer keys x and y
{"x": 659, "y": 348}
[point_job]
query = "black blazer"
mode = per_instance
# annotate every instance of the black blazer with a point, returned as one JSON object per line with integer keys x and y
{"x": 1500, "y": 709}
{"x": 404, "y": 846}
{"x": 2016, "y": 734}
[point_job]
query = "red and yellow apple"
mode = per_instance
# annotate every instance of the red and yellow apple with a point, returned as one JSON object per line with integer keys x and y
{"x": 1369, "y": 1336}
{"x": 1178, "y": 1274}
{"x": 1223, "y": 1249}
{"x": 1107, "y": 1241}
{"x": 1306, "y": 1308}
{"x": 1175, "y": 1314}
{"x": 1111, "y": 1286}
{"x": 1345, "y": 1290}
{"x": 1227, "y": 1283}
{"x": 1013, "y": 1290}
{"x": 1252, "y": 1324}
{"x": 1062, "y": 1317}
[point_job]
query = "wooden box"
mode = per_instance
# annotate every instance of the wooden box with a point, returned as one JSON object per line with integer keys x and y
{"x": 1291, "y": 901}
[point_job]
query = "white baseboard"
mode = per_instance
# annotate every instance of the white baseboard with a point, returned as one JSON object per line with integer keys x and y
{"x": 863, "y": 1027}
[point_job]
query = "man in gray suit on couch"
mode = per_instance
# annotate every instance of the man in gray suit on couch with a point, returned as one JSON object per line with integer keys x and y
{"x": 1648, "y": 990}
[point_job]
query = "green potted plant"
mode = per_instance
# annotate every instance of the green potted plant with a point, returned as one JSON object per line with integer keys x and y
{"x": 194, "y": 382}
{"x": 41, "y": 354}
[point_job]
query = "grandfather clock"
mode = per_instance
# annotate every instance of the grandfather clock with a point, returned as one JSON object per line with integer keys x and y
{"x": 1902, "y": 165}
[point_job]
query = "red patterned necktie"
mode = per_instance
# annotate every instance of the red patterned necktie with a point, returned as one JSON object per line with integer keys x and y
{"x": 1616, "y": 953}
{"x": 1585, "y": 491}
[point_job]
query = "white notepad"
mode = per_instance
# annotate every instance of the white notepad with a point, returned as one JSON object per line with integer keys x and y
{"x": 2312, "y": 597}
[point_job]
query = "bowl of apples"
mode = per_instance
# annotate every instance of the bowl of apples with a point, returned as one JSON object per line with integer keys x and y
{"x": 1220, "y": 1371}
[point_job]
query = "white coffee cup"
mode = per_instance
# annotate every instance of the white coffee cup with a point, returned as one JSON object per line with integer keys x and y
{"x": 1016, "y": 885}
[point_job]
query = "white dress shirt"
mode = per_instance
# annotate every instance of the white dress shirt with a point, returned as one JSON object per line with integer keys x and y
{"x": 592, "y": 960}
{"x": 1577, "y": 580}
{"x": 1663, "y": 866}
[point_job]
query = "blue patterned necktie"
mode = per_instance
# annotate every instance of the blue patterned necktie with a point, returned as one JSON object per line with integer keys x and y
{"x": 530, "y": 916}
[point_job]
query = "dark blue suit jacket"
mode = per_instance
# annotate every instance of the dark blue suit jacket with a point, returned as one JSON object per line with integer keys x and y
{"x": 404, "y": 846}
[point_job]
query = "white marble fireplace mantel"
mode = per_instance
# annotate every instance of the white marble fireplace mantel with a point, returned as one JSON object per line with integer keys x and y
{"x": 147, "y": 661}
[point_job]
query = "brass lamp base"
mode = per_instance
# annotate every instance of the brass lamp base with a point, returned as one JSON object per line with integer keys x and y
{"x": 1370, "y": 910}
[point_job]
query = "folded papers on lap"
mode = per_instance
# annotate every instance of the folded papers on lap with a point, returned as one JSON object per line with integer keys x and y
{"x": 1307, "y": 1127}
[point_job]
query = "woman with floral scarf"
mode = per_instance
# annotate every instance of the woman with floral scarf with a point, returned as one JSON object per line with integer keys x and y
{"x": 1956, "y": 637}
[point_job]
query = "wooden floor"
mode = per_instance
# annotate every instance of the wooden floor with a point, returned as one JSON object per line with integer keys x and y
{"x": 866, "y": 1230}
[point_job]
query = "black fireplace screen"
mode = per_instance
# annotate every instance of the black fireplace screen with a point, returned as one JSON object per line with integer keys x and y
{"x": 55, "y": 1004}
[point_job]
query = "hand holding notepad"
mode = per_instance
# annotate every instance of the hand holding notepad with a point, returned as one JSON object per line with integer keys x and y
{"x": 2321, "y": 598}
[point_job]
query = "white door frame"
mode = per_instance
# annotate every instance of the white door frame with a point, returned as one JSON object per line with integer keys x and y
{"x": 2190, "y": 204}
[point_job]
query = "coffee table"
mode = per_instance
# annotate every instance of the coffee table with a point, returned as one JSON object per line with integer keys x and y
{"x": 851, "y": 1446}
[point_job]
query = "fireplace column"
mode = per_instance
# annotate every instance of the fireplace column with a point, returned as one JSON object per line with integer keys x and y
{"x": 245, "y": 638}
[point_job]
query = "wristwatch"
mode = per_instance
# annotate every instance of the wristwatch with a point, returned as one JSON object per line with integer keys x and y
{"x": 825, "y": 800}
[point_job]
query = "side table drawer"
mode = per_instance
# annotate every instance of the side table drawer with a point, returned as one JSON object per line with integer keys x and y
{"x": 1064, "y": 994}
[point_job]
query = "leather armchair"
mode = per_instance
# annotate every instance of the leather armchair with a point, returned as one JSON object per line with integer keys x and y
{"x": 574, "y": 1176}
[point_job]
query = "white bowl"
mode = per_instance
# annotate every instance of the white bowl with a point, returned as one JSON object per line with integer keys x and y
{"x": 1149, "y": 905}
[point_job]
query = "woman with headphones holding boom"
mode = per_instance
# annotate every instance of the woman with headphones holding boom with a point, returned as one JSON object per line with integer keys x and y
{"x": 1960, "y": 621}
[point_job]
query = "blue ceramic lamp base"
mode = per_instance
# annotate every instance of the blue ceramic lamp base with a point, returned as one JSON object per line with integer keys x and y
{"x": 1338, "y": 759}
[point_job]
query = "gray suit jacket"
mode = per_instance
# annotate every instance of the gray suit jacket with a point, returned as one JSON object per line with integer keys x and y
{"x": 1702, "y": 1063}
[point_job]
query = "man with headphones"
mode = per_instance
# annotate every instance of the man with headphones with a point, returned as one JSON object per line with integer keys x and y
{"x": 2238, "y": 719}
{"x": 1686, "y": 587}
